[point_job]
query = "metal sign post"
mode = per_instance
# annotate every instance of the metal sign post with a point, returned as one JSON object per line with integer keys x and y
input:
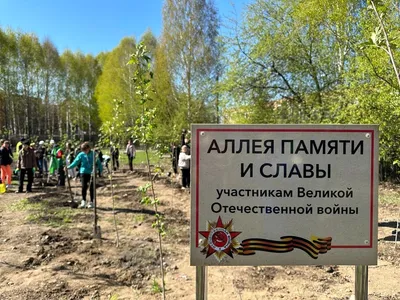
{"x": 361, "y": 287}
{"x": 201, "y": 283}
{"x": 397, "y": 233}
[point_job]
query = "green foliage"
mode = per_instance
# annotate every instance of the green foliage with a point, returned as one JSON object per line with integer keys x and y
{"x": 139, "y": 218}
{"x": 317, "y": 61}
{"x": 390, "y": 197}
{"x": 159, "y": 224}
{"x": 190, "y": 42}
{"x": 115, "y": 82}
{"x": 156, "y": 288}
{"x": 114, "y": 297}
{"x": 43, "y": 92}
{"x": 113, "y": 132}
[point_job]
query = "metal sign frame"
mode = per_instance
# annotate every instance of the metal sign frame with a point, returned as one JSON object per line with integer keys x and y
{"x": 198, "y": 131}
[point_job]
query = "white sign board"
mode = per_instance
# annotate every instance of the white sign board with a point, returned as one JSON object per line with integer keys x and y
{"x": 284, "y": 194}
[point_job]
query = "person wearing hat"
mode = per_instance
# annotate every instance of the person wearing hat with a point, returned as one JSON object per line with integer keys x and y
{"x": 26, "y": 165}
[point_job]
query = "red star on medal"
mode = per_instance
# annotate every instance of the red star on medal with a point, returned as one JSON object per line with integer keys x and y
{"x": 220, "y": 239}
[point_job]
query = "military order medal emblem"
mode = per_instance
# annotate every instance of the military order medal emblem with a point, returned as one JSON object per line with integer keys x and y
{"x": 220, "y": 239}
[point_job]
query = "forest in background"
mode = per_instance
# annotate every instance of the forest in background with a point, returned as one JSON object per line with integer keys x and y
{"x": 284, "y": 61}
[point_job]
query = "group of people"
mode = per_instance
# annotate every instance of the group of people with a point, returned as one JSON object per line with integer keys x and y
{"x": 52, "y": 160}
{"x": 26, "y": 164}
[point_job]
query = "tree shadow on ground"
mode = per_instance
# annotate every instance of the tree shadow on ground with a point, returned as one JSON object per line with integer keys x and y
{"x": 390, "y": 224}
{"x": 128, "y": 210}
{"x": 391, "y": 238}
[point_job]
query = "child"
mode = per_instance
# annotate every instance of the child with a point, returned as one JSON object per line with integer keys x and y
{"x": 184, "y": 165}
{"x": 85, "y": 159}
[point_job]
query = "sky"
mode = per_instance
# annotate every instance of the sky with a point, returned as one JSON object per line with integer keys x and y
{"x": 92, "y": 26}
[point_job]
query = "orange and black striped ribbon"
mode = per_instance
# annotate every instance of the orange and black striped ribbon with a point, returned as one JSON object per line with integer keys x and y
{"x": 286, "y": 244}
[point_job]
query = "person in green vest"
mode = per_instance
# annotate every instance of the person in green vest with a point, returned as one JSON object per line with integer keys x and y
{"x": 53, "y": 161}
{"x": 57, "y": 163}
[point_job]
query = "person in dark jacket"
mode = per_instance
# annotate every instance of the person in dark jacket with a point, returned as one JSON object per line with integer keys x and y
{"x": 26, "y": 165}
{"x": 40, "y": 154}
{"x": 5, "y": 163}
{"x": 114, "y": 151}
{"x": 175, "y": 150}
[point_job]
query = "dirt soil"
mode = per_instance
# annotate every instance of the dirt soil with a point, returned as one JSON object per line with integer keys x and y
{"x": 47, "y": 251}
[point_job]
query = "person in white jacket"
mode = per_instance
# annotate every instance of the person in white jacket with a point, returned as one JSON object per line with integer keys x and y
{"x": 184, "y": 165}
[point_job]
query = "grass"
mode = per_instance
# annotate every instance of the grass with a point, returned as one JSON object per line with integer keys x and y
{"x": 139, "y": 218}
{"x": 387, "y": 197}
{"x": 25, "y": 204}
{"x": 156, "y": 287}
{"x": 111, "y": 221}
{"x": 140, "y": 158}
{"x": 44, "y": 212}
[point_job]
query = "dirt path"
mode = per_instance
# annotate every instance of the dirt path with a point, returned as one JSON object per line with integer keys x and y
{"x": 47, "y": 252}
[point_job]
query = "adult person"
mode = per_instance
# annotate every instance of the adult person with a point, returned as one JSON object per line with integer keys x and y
{"x": 114, "y": 152}
{"x": 175, "y": 150}
{"x": 131, "y": 152}
{"x": 69, "y": 158}
{"x": 5, "y": 163}
{"x": 20, "y": 144}
{"x": 187, "y": 144}
{"x": 184, "y": 165}
{"x": 85, "y": 159}
{"x": 26, "y": 165}
{"x": 53, "y": 161}
{"x": 100, "y": 156}
{"x": 40, "y": 156}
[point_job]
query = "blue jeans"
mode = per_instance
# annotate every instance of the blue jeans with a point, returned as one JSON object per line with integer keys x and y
{"x": 40, "y": 165}
{"x": 46, "y": 170}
